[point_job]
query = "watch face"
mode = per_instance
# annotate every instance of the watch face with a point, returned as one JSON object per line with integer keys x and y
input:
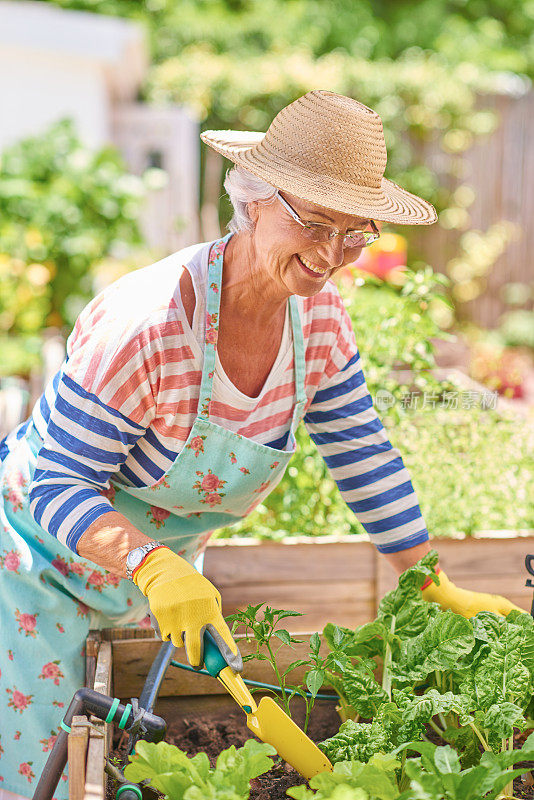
{"x": 134, "y": 558}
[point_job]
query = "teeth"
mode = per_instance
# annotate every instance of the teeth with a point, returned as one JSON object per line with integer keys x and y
{"x": 318, "y": 270}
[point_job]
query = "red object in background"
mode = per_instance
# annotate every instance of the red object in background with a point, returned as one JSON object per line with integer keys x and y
{"x": 384, "y": 258}
{"x": 502, "y": 371}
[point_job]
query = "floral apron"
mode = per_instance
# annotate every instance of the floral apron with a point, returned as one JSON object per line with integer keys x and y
{"x": 50, "y": 597}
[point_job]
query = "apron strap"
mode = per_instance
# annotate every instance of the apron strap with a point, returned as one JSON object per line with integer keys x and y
{"x": 213, "y": 303}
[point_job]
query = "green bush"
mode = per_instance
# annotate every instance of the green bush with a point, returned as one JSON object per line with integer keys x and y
{"x": 62, "y": 209}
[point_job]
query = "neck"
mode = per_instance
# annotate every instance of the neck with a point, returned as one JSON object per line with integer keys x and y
{"x": 247, "y": 288}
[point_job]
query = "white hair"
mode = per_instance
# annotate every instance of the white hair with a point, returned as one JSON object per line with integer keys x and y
{"x": 243, "y": 188}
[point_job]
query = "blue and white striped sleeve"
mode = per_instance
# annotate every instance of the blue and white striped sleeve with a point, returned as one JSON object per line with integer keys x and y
{"x": 86, "y": 442}
{"x": 368, "y": 470}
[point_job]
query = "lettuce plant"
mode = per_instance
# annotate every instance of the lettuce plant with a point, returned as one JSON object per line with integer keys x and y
{"x": 173, "y": 773}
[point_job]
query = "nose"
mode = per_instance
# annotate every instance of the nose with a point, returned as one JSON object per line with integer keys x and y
{"x": 332, "y": 251}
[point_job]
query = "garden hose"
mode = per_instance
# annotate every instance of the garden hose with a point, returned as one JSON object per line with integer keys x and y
{"x": 332, "y": 697}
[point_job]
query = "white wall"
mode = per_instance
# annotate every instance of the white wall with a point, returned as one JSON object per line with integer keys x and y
{"x": 39, "y": 88}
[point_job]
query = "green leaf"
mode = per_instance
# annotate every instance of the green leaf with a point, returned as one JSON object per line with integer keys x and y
{"x": 314, "y": 680}
{"x": 501, "y": 718}
{"x": 446, "y": 760}
{"x": 284, "y": 636}
{"x": 315, "y": 642}
{"x": 300, "y": 662}
{"x": 171, "y": 771}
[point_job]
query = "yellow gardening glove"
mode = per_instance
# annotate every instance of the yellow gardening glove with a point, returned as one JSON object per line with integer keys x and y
{"x": 464, "y": 602}
{"x": 184, "y": 604}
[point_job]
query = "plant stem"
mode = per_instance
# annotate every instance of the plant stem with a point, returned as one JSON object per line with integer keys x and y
{"x": 508, "y": 744}
{"x": 309, "y": 706}
{"x": 436, "y": 728}
{"x": 278, "y": 678}
{"x": 386, "y": 674}
{"x": 479, "y": 736}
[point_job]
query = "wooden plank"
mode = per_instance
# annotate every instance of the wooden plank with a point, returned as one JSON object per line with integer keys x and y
{"x": 92, "y": 643}
{"x": 132, "y": 660}
{"x": 342, "y": 602}
{"x": 102, "y": 681}
{"x": 269, "y": 562}
{"x": 77, "y": 755}
{"x": 100, "y": 732}
{"x": 95, "y": 777}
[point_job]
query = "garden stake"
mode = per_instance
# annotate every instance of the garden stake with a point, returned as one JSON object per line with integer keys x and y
{"x": 267, "y": 720}
{"x": 530, "y": 583}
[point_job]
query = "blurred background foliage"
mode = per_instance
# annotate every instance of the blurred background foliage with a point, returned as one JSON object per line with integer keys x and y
{"x": 63, "y": 208}
{"x": 424, "y": 65}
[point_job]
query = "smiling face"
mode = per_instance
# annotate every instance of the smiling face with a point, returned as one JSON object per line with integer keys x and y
{"x": 299, "y": 265}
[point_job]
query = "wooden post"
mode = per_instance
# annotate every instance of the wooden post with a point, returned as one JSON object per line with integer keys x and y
{"x": 77, "y": 753}
{"x": 100, "y": 732}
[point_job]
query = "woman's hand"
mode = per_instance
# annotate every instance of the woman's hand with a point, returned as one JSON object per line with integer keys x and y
{"x": 185, "y": 603}
{"x": 465, "y": 602}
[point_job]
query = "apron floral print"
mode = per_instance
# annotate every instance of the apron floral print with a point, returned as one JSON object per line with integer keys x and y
{"x": 50, "y": 597}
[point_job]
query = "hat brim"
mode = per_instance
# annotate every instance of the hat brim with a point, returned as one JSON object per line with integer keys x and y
{"x": 386, "y": 203}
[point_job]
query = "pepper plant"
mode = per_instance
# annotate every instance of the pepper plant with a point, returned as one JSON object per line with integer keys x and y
{"x": 260, "y": 626}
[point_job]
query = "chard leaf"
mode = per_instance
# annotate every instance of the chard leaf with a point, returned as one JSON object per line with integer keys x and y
{"x": 501, "y": 718}
{"x": 405, "y": 603}
{"x": 438, "y": 647}
{"x": 465, "y": 742}
{"x": 504, "y": 675}
{"x": 487, "y": 626}
{"x": 363, "y": 691}
{"x": 423, "y": 707}
{"x": 520, "y": 618}
{"x": 397, "y": 728}
{"x": 356, "y": 741}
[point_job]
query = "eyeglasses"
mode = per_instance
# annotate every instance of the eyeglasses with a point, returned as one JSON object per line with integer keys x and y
{"x": 321, "y": 232}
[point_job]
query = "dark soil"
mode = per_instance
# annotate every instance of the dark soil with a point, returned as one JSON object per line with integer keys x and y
{"x": 211, "y": 731}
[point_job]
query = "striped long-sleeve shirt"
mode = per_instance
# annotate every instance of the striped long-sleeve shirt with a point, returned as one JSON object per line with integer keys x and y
{"x": 126, "y": 397}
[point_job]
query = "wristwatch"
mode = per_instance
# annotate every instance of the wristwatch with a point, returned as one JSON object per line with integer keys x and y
{"x": 136, "y": 556}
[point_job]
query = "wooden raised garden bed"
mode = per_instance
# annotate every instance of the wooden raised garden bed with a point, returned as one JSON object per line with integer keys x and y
{"x": 327, "y": 580}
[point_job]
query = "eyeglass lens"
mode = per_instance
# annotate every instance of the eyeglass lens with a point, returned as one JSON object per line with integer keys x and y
{"x": 324, "y": 233}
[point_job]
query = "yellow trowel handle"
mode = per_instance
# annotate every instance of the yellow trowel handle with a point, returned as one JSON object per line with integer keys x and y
{"x": 216, "y": 665}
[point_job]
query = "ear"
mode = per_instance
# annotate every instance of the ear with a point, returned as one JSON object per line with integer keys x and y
{"x": 253, "y": 210}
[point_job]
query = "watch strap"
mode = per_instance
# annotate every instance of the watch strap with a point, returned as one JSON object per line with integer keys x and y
{"x": 145, "y": 549}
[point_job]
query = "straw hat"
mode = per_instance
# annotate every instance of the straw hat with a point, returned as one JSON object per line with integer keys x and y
{"x": 330, "y": 150}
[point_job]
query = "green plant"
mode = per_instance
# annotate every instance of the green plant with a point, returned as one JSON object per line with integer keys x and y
{"x": 63, "y": 208}
{"x": 470, "y": 681}
{"x": 437, "y": 775}
{"x": 263, "y": 631}
{"x": 173, "y": 773}
{"x": 353, "y": 780}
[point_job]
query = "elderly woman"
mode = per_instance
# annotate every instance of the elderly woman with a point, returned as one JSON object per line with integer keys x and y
{"x": 175, "y": 413}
